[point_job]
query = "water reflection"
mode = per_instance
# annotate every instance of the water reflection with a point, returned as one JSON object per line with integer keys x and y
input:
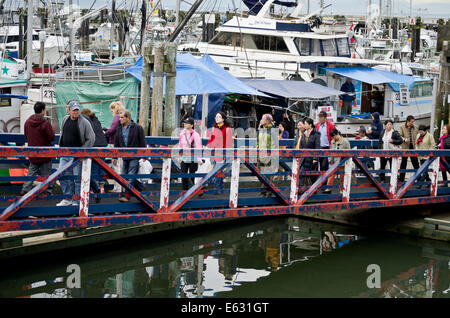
{"x": 285, "y": 257}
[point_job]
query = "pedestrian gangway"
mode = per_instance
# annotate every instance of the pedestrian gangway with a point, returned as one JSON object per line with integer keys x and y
{"x": 163, "y": 200}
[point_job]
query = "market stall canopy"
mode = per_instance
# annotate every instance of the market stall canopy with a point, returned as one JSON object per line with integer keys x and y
{"x": 292, "y": 89}
{"x": 372, "y": 76}
{"x": 195, "y": 77}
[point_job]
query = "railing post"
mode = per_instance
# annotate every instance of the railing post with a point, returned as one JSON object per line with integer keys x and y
{"x": 435, "y": 176}
{"x": 295, "y": 181}
{"x": 85, "y": 187}
{"x": 347, "y": 181}
{"x": 394, "y": 175}
{"x": 165, "y": 185}
{"x": 234, "y": 186}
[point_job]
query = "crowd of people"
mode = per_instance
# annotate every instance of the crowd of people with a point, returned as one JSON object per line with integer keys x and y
{"x": 82, "y": 129}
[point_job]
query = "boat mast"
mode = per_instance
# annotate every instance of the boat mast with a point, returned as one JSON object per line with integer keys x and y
{"x": 111, "y": 34}
{"x": 30, "y": 37}
{"x": 177, "y": 18}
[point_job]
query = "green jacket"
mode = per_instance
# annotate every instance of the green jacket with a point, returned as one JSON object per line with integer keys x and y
{"x": 265, "y": 138}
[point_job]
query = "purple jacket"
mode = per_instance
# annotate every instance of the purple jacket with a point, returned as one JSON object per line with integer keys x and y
{"x": 111, "y": 132}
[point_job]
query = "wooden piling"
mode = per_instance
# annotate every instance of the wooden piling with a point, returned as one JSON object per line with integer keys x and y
{"x": 157, "y": 94}
{"x": 147, "y": 65}
{"x": 170, "y": 68}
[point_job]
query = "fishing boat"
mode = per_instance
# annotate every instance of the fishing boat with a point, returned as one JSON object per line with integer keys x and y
{"x": 262, "y": 46}
{"x": 13, "y": 87}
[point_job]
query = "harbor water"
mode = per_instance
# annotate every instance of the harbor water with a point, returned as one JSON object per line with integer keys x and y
{"x": 276, "y": 257}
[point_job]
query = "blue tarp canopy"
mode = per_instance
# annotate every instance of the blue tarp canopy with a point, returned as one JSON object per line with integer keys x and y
{"x": 292, "y": 89}
{"x": 195, "y": 77}
{"x": 372, "y": 76}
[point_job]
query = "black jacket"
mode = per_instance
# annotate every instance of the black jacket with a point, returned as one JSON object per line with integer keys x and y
{"x": 396, "y": 138}
{"x": 100, "y": 138}
{"x": 136, "y": 137}
{"x": 313, "y": 143}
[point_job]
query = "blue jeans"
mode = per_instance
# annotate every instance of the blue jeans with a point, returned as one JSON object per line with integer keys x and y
{"x": 70, "y": 187}
{"x": 218, "y": 182}
{"x": 132, "y": 167}
{"x": 96, "y": 170}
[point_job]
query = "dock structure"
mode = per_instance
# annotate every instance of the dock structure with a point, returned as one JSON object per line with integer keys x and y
{"x": 163, "y": 201}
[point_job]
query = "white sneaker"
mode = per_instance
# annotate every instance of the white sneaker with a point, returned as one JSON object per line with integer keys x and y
{"x": 75, "y": 203}
{"x": 64, "y": 203}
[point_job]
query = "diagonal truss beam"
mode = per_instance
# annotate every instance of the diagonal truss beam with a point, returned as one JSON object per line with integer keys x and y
{"x": 189, "y": 194}
{"x": 125, "y": 183}
{"x": 262, "y": 178}
{"x": 371, "y": 179}
{"x": 36, "y": 191}
{"x": 322, "y": 179}
{"x": 401, "y": 192}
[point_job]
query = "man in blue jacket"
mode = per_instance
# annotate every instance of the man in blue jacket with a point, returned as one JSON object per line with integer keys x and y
{"x": 347, "y": 99}
{"x": 129, "y": 135}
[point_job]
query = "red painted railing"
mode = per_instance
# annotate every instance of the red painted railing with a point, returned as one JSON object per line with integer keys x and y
{"x": 19, "y": 213}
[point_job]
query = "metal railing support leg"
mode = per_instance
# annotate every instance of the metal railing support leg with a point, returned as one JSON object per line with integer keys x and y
{"x": 165, "y": 185}
{"x": 295, "y": 181}
{"x": 435, "y": 177}
{"x": 394, "y": 175}
{"x": 234, "y": 186}
{"x": 85, "y": 187}
{"x": 347, "y": 181}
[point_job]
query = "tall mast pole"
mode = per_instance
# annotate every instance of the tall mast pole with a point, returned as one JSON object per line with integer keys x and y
{"x": 30, "y": 37}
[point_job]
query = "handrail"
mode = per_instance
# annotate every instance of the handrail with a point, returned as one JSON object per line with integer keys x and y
{"x": 225, "y": 153}
{"x": 165, "y": 140}
{"x": 287, "y": 195}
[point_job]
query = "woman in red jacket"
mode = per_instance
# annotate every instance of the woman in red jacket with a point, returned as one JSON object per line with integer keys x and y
{"x": 220, "y": 137}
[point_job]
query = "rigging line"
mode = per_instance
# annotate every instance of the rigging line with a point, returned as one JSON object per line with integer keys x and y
{"x": 242, "y": 39}
{"x": 212, "y": 12}
{"x": 192, "y": 22}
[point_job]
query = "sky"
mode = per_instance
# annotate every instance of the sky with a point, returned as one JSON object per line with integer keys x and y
{"x": 424, "y": 8}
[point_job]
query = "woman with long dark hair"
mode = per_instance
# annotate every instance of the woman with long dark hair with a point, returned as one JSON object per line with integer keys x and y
{"x": 220, "y": 137}
{"x": 310, "y": 140}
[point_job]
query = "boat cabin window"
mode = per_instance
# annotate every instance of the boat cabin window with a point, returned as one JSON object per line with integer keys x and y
{"x": 329, "y": 47}
{"x": 305, "y": 46}
{"x": 5, "y": 101}
{"x": 343, "y": 48}
{"x": 270, "y": 43}
{"x": 422, "y": 90}
{"x": 223, "y": 38}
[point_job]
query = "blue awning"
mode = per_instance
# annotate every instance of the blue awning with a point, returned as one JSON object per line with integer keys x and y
{"x": 372, "y": 76}
{"x": 292, "y": 89}
{"x": 195, "y": 77}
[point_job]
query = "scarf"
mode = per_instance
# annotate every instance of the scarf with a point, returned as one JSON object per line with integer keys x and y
{"x": 442, "y": 141}
{"x": 420, "y": 139}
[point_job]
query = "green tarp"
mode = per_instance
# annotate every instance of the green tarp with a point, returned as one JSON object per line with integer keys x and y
{"x": 98, "y": 96}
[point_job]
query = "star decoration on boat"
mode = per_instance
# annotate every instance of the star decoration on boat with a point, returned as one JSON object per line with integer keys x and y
{"x": 5, "y": 70}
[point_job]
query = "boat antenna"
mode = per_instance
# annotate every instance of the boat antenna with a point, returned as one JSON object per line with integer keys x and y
{"x": 242, "y": 39}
